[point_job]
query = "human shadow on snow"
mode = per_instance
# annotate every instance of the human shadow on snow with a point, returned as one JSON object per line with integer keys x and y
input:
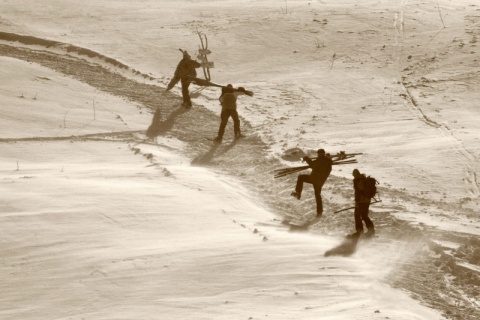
{"x": 158, "y": 126}
{"x": 344, "y": 249}
{"x": 208, "y": 157}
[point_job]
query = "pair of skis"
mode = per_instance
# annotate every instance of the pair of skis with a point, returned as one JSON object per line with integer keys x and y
{"x": 207, "y": 83}
{"x": 338, "y": 159}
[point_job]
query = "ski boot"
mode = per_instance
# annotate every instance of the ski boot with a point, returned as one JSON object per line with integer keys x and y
{"x": 355, "y": 235}
{"x": 295, "y": 195}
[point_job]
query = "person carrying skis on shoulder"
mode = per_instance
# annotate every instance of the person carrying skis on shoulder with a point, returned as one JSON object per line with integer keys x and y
{"x": 228, "y": 100}
{"x": 321, "y": 168}
{"x": 362, "y": 205}
{"x": 185, "y": 68}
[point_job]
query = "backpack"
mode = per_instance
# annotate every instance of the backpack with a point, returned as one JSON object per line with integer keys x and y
{"x": 370, "y": 187}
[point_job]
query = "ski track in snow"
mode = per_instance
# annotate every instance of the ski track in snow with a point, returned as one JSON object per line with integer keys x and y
{"x": 467, "y": 158}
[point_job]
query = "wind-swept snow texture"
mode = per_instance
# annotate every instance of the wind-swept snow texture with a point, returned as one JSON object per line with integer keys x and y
{"x": 100, "y": 222}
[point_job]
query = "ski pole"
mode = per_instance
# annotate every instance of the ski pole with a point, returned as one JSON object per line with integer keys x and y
{"x": 376, "y": 201}
{"x": 344, "y": 209}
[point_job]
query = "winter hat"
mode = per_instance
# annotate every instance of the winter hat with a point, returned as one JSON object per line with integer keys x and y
{"x": 185, "y": 53}
{"x": 227, "y": 89}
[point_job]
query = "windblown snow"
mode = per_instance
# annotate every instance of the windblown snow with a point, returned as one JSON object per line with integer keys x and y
{"x": 100, "y": 222}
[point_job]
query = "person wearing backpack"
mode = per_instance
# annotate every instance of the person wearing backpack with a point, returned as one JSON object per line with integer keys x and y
{"x": 321, "y": 168}
{"x": 363, "y": 195}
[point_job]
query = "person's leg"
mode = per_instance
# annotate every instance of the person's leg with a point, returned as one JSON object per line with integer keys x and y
{"x": 358, "y": 217}
{"x": 223, "y": 123}
{"x": 357, "y": 214}
{"x": 236, "y": 123}
{"x": 318, "y": 198}
{"x": 186, "y": 96}
{"x": 302, "y": 178}
{"x": 365, "y": 217}
{"x": 173, "y": 82}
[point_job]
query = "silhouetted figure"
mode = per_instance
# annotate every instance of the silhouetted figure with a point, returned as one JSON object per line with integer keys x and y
{"x": 186, "y": 67}
{"x": 345, "y": 249}
{"x": 228, "y": 100}
{"x": 321, "y": 168}
{"x": 362, "y": 206}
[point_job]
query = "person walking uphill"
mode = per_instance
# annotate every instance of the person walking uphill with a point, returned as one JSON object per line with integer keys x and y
{"x": 185, "y": 68}
{"x": 362, "y": 205}
{"x": 321, "y": 168}
{"x": 228, "y": 100}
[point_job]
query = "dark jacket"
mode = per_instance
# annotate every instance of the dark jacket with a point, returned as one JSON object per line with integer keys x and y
{"x": 186, "y": 67}
{"x": 359, "y": 186}
{"x": 229, "y": 100}
{"x": 321, "y": 168}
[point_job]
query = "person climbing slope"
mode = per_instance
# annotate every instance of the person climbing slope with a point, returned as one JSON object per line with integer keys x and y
{"x": 362, "y": 206}
{"x": 321, "y": 168}
{"x": 185, "y": 69}
{"x": 228, "y": 100}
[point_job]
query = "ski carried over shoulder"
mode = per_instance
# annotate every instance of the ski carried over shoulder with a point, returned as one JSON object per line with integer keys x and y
{"x": 208, "y": 83}
{"x": 337, "y": 159}
{"x": 343, "y": 156}
{"x": 203, "y": 82}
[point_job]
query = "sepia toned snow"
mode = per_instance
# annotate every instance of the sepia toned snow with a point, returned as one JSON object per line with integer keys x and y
{"x": 100, "y": 222}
